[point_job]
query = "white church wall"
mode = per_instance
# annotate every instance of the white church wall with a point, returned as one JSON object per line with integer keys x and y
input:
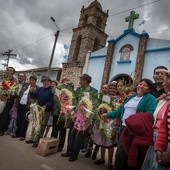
{"x": 157, "y": 43}
{"x": 95, "y": 70}
{"x": 154, "y": 59}
{"x": 124, "y": 67}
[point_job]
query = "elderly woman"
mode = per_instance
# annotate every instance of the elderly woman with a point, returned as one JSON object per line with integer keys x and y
{"x": 162, "y": 142}
{"x": 141, "y": 102}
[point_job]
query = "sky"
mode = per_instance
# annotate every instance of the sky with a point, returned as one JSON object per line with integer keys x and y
{"x": 26, "y": 27}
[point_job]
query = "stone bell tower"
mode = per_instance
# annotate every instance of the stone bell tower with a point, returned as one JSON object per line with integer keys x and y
{"x": 88, "y": 36}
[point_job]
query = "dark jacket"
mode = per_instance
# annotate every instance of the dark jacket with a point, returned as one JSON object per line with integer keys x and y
{"x": 44, "y": 96}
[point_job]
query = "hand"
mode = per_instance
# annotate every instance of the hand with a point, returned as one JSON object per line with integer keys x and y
{"x": 165, "y": 157}
{"x": 104, "y": 117}
{"x": 32, "y": 89}
{"x": 44, "y": 107}
{"x": 159, "y": 157}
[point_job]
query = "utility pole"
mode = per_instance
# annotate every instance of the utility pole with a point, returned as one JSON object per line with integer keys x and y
{"x": 53, "y": 50}
{"x": 8, "y": 54}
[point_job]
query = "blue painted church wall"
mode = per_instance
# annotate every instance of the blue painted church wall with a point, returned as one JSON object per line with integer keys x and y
{"x": 127, "y": 68}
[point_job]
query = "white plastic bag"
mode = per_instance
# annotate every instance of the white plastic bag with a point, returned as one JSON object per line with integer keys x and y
{"x": 2, "y": 105}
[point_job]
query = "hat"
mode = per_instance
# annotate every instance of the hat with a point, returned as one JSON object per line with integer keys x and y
{"x": 86, "y": 77}
{"x": 46, "y": 78}
{"x": 33, "y": 77}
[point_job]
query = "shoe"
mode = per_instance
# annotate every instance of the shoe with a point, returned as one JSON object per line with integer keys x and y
{"x": 35, "y": 145}
{"x": 13, "y": 135}
{"x": 94, "y": 155}
{"x": 71, "y": 160}
{"x": 110, "y": 167}
{"x": 6, "y": 132}
{"x": 99, "y": 162}
{"x": 88, "y": 154}
{"x": 21, "y": 138}
{"x": 59, "y": 150}
{"x": 64, "y": 155}
{"x": 1, "y": 134}
{"x": 29, "y": 142}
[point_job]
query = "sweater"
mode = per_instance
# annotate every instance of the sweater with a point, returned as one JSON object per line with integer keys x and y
{"x": 148, "y": 103}
{"x": 137, "y": 136}
{"x": 162, "y": 138}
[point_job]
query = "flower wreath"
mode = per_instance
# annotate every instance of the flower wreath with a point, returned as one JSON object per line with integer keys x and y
{"x": 66, "y": 103}
{"x": 83, "y": 114}
{"x": 106, "y": 129}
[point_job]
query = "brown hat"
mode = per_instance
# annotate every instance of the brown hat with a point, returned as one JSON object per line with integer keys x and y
{"x": 33, "y": 77}
{"x": 46, "y": 78}
{"x": 86, "y": 77}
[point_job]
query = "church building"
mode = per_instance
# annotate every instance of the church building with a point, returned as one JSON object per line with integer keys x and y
{"x": 132, "y": 54}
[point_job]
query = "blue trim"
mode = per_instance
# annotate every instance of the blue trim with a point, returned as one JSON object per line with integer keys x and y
{"x": 97, "y": 56}
{"x": 158, "y": 49}
{"x": 122, "y": 62}
{"x": 128, "y": 31}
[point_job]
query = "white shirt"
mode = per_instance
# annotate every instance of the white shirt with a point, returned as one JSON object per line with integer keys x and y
{"x": 130, "y": 108}
{"x": 24, "y": 98}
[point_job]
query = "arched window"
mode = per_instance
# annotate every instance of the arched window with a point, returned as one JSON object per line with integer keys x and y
{"x": 85, "y": 20}
{"x": 125, "y": 52}
{"x": 96, "y": 44}
{"x": 99, "y": 22}
{"x": 77, "y": 48}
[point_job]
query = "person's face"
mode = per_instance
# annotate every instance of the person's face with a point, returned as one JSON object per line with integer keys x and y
{"x": 9, "y": 71}
{"x": 83, "y": 83}
{"x": 142, "y": 88}
{"x": 166, "y": 84}
{"x": 53, "y": 85}
{"x": 120, "y": 86}
{"x": 105, "y": 89}
{"x": 21, "y": 77}
{"x": 159, "y": 75}
{"x": 32, "y": 82}
{"x": 112, "y": 90}
{"x": 46, "y": 83}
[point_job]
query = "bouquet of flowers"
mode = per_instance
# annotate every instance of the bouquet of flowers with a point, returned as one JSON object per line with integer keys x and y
{"x": 7, "y": 88}
{"x": 83, "y": 115}
{"x": 66, "y": 103}
{"x": 106, "y": 129}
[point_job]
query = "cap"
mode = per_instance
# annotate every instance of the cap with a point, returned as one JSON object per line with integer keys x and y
{"x": 46, "y": 78}
{"x": 33, "y": 77}
{"x": 86, "y": 77}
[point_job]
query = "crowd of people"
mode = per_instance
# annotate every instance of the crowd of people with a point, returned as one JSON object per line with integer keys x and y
{"x": 135, "y": 119}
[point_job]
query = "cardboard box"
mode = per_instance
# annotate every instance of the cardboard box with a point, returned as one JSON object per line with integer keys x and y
{"x": 47, "y": 146}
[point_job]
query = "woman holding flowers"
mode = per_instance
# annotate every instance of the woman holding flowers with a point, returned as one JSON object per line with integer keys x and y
{"x": 143, "y": 101}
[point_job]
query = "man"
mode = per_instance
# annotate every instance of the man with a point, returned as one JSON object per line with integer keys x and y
{"x": 44, "y": 96}
{"x": 158, "y": 75}
{"x": 23, "y": 106}
{"x": 75, "y": 138}
{"x": 4, "y": 116}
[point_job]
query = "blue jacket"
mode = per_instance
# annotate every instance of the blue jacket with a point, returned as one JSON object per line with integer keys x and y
{"x": 147, "y": 104}
{"x": 44, "y": 96}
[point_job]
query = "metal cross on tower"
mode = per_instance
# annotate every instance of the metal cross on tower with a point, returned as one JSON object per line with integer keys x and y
{"x": 131, "y": 19}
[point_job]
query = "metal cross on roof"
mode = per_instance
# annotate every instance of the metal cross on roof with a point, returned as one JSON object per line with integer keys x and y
{"x": 131, "y": 19}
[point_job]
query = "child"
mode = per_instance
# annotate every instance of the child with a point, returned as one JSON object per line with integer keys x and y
{"x": 12, "y": 127}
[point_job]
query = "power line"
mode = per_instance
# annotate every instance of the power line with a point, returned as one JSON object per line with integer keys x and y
{"x": 64, "y": 29}
{"x": 134, "y": 8}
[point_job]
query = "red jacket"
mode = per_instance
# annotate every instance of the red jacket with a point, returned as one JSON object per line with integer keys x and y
{"x": 137, "y": 136}
{"x": 162, "y": 138}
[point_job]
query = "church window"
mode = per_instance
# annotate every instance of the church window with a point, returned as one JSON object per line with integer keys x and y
{"x": 99, "y": 22}
{"x": 85, "y": 19}
{"x": 125, "y": 52}
{"x": 77, "y": 48}
{"x": 96, "y": 44}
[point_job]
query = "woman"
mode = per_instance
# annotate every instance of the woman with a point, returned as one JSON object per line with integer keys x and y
{"x": 143, "y": 101}
{"x": 163, "y": 138}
